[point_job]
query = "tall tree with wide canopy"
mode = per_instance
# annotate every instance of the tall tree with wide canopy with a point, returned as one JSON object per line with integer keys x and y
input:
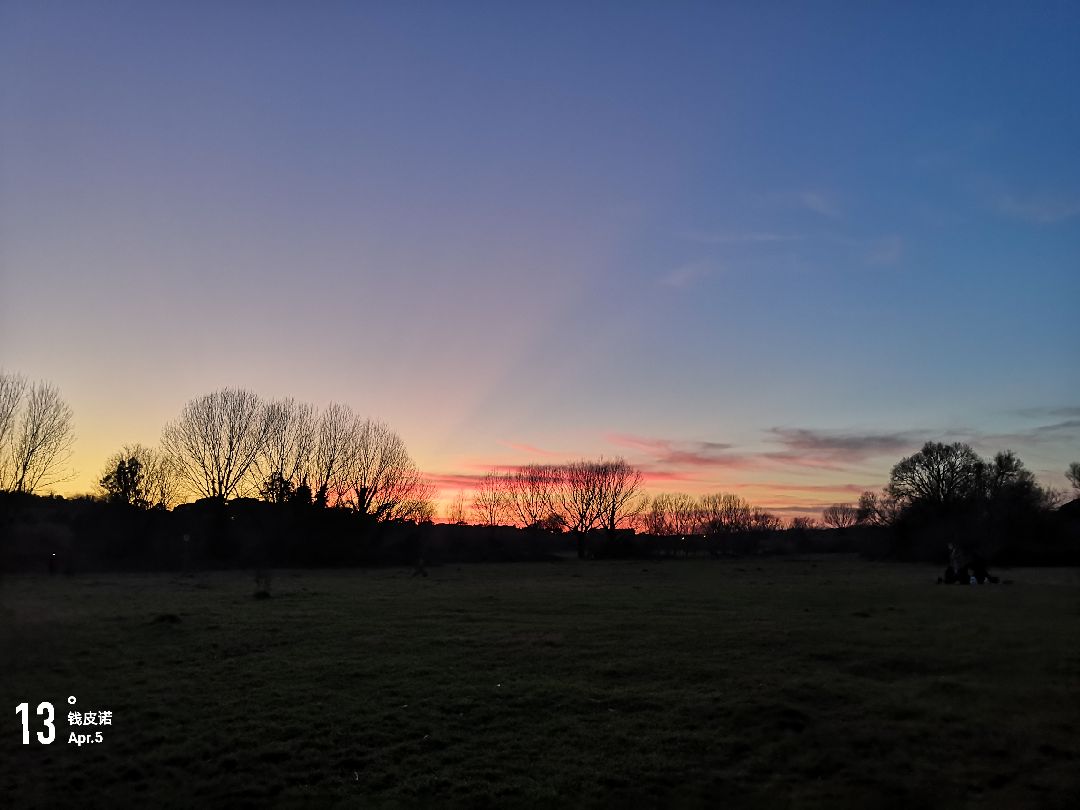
{"x": 215, "y": 440}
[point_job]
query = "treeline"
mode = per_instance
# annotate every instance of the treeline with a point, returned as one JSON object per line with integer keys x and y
{"x": 231, "y": 443}
{"x": 284, "y": 482}
{"x": 72, "y": 535}
{"x": 605, "y": 494}
{"x": 79, "y": 534}
{"x": 227, "y": 444}
{"x": 990, "y": 507}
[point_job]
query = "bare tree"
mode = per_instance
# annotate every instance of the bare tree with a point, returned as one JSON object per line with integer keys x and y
{"x": 215, "y": 441}
{"x": 423, "y": 511}
{"x": 36, "y": 435}
{"x": 1073, "y": 474}
{"x": 335, "y": 445}
{"x": 285, "y": 458}
{"x": 654, "y": 515}
{"x": 455, "y": 510}
{"x": 141, "y": 477}
{"x": 578, "y": 498}
{"x": 802, "y": 524}
{"x": 489, "y": 503}
{"x": 381, "y": 479}
{"x": 672, "y": 513}
{"x": 939, "y": 475}
{"x": 878, "y": 510}
{"x": 840, "y": 515}
{"x": 764, "y": 521}
{"x": 619, "y": 489}
{"x": 578, "y": 493}
{"x": 725, "y": 513}
{"x": 530, "y": 493}
{"x": 684, "y": 514}
{"x": 12, "y": 389}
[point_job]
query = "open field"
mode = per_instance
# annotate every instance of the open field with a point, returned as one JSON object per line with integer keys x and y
{"x": 773, "y": 683}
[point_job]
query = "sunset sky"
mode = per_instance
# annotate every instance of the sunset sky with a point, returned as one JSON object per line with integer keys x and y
{"x": 767, "y": 248}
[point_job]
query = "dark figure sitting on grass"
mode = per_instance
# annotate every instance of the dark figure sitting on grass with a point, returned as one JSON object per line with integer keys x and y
{"x": 979, "y": 572}
{"x": 964, "y": 570}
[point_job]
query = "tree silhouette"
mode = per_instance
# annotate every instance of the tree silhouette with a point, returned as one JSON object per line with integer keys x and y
{"x": 455, "y": 510}
{"x": 654, "y": 515}
{"x": 878, "y": 510}
{"x": 122, "y": 484}
{"x": 840, "y": 515}
{"x": 12, "y": 388}
{"x": 939, "y": 476}
{"x": 284, "y": 459}
{"x": 1006, "y": 476}
{"x": 140, "y": 477}
{"x": 762, "y": 520}
{"x": 577, "y": 495}
{"x": 1010, "y": 493}
{"x": 277, "y": 489}
{"x": 36, "y": 435}
{"x": 530, "y": 493}
{"x": 1073, "y": 474}
{"x": 381, "y": 479}
{"x": 490, "y": 500}
{"x": 335, "y": 445}
{"x": 620, "y": 484}
{"x": 672, "y": 514}
{"x": 725, "y": 513}
{"x": 215, "y": 441}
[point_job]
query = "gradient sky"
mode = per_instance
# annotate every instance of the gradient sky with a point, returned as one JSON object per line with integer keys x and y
{"x": 761, "y": 247}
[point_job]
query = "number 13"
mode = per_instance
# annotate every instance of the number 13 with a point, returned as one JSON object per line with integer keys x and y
{"x": 43, "y": 708}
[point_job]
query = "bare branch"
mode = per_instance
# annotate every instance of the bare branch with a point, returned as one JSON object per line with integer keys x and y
{"x": 578, "y": 495}
{"x": 491, "y": 504}
{"x": 140, "y": 476}
{"x": 286, "y": 456}
{"x": 530, "y": 493}
{"x": 455, "y": 510}
{"x": 39, "y": 440}
{"x": 381, "y": 479}
{"x": 333, "y": 455}
{"x": 619, "y": 485}
{"x": 215, "y": 440}
{"x": 840, "y": 515}
{"x": 12, "y": 389}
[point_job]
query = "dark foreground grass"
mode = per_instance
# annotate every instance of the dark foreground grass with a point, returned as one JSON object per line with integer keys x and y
{"x": 774, "y": 683}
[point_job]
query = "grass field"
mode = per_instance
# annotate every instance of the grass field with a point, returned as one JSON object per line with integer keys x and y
{"x": 771, "y": 683}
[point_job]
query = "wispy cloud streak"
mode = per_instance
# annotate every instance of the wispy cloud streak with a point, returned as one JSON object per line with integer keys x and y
{"x": 814, "y": 448}
{"x": 676, "y": 453}
{"x": 1041, "y": 210}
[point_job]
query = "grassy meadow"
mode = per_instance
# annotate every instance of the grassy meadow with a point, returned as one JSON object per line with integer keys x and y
{"x": 765, "y": 683}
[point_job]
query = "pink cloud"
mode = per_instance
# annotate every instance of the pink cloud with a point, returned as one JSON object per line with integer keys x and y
{"x": 773, "y": 486}
{"x": 454, "y": 481}
{"x": 680, "y": 453}
{"x": 652, "y": 475}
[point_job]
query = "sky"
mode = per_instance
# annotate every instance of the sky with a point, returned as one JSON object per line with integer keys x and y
{"x": 768, "y": 248}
